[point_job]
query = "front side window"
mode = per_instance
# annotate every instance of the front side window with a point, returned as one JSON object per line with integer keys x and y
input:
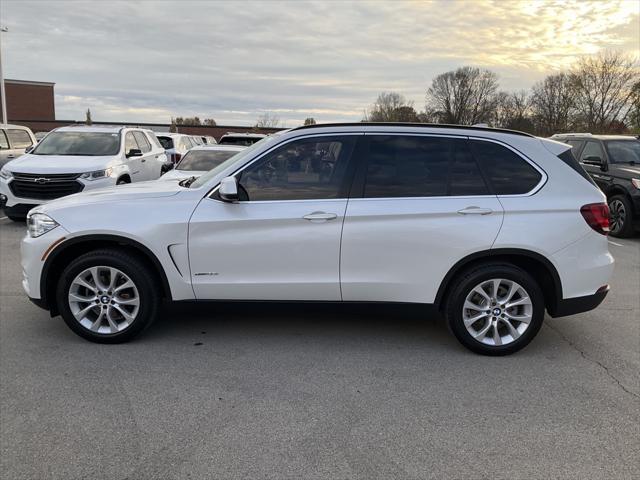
{"x": 507, "y": 172}
{"x": 130, "y": 143}
{"x": 19, "y": 138}
{"x": 623, "y": 151}
{"x": 204, "y": 160}
{"x": 594, "y": 150}
{"x": 4, "y": 144}
{"x": 142, "y": 141}
{"x": 79, "y": 143}
{"x": 314, "y": 168}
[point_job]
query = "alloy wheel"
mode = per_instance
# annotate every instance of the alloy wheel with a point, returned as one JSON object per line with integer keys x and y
{"x": 104, "y": 300}
{"x": 618, "y": 215}
{"x": 497, "y": 312}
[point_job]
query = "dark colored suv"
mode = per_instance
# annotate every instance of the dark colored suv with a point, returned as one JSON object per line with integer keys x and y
{"x": 613, "y": 161}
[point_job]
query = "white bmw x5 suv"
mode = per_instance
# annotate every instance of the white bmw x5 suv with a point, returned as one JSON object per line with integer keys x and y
{"x": 79, "y": 158}
{"x": 492, "y": 226}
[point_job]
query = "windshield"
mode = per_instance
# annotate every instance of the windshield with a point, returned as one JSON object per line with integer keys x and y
{"x": 239, "y": 157}
{"x": 242, "y": 141}
{"x": 623, "y": 151}
{"x": 166, "y": 142}
{"x": 90, "y": 144}
{"x": 203, "y": 160}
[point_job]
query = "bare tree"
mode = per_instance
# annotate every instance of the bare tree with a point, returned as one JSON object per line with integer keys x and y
{"x": 210, "y": 122}
{"x": 173, "y": 128}
{"x": 513, "y": 111}
{"x": 309, "y": 121}
{"x": 603, "y": 88}
{"x": 191, "y": 121}
{"x": 465, "y": 96}
{"x": 88, "y": 120}
{"x": 633, "y": 115}
{"x": 391, "y": 107}
{"x": 268, "y": 120}
{"x": 552, "y": 104}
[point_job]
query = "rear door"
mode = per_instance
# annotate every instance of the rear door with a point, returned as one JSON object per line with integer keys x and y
{"x": 419, "y": 204}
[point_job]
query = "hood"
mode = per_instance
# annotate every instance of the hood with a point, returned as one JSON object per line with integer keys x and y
{"x": 119, "y": 193}
{"x": 632, "y": 170}
{"x": 180, "y": 174}
{"x": 51, "y": 164}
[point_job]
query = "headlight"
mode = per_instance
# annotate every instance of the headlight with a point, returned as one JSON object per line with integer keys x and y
{"x": 636, "y": 182}
{"x": 97, "y": 174}
{"x": 39, "y": 224}
{"x": 6, "y": 174}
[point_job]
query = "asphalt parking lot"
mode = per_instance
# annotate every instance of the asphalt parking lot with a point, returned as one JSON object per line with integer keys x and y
{"x": 306, "y": 391}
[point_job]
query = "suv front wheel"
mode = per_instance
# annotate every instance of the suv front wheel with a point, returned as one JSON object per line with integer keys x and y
{"x": 107, "y": 296}
{"x": 495, "y": 309}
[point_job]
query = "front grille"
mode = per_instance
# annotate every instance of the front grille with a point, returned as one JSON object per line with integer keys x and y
{"x": 45, "y": 186}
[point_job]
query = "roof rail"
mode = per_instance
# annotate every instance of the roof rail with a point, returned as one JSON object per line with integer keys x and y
{"x": 572, "y": 135}
{"x": 412, "y": 125}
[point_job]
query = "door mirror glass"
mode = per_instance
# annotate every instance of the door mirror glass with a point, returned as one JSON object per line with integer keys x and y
{"x": 134, "y": 152}
{"x": 229, "y": 189}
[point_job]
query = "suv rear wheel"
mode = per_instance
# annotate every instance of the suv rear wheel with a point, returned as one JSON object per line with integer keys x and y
{"x": 495, "y": 309}
{"x": 107, "y": 296}
{"x": 621, "y": 212}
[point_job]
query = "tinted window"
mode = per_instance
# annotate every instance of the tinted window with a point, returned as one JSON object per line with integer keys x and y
{"x": 242, "y": 141}
{"x": 508, "y": 173}
{"x": 19, "y": 138}
{"x": 623, "y": 151}
{"x": 304, "y": 169}
{"x": 592, "y": 149}
{"x": 466, "y": 178}
{"x": 575, "y": 146}
{"x": 166, "y": 142}
{"x": 143, "y": 143}
{"x": 203, "y": 160}
{"x": 79, "y": 143}
{"x": 407, "y": 166}
{"x": 4, "y": 144}
{"x": 568, "y": 157}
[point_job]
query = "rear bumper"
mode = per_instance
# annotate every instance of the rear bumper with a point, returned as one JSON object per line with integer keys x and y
{"x": 573, "y": 306}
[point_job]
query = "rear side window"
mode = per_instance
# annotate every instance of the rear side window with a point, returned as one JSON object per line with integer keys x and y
{"x": 19, "y": 138}
{"x": 154, "y": 140}
{"x": 507, "y": 172}
{"x": 421, "y": 166}
{"x": 166, "y": 142}
{"x": 407, "y": 166}
{"x": 143, "y": 143}
{"x": 568, "y": 158}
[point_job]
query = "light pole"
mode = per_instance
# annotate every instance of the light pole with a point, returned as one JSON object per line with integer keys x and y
{"x": 2, "y": 94}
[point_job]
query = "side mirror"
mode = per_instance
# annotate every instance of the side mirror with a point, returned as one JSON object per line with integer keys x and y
{"x": 592, "y": 160}
{"x": 134, "y": 152}
{"x": 229, "y": 189}
{"x": 28, "y": 149}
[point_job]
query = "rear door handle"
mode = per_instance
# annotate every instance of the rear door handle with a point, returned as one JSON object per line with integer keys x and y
{"x": 320, "y": 217}
{"x": 475, "y": 211}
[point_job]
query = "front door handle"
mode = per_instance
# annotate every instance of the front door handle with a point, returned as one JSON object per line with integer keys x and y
{"x": 475, "y": 211}
{"x": 320, "y": 217}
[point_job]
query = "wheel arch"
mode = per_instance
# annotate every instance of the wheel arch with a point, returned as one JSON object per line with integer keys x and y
{"x": 542, "y": 270}
{"x": 73, "y": 247}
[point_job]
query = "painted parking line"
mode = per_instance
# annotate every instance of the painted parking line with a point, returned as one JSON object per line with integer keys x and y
{"x": 2, "y": 218}
{"x": 616, "y": 244}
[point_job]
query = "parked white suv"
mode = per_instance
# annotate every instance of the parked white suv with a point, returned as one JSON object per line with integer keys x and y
{"x": 176, "y": 145}
{"x": 74, "y": 159}
{"x": 491, "y": 226}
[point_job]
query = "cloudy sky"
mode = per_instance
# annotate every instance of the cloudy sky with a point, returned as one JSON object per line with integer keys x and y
{"x": 149, "y": 60}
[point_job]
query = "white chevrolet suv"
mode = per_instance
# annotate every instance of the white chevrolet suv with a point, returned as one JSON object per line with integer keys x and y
{"x": 79, "y": 158}
{"x": 492, "y": 226}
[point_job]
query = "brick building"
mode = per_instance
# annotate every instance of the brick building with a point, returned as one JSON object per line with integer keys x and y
{"x": 28, "y": 100}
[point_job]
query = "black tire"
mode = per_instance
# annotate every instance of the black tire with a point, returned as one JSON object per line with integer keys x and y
{"x": 123, "y": 181}
{"x": 17, "y": 218}
{"x": 130, "y": 265}
{"x": 621, "y": 216}
{"x": 464, "y": 284}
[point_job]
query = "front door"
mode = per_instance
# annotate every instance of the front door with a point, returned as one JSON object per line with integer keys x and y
{"x": 281, "y": 241}
{"x": 135, "y": 163}
{"x": 593, "y": 150}
{"x": 149, "y": 169}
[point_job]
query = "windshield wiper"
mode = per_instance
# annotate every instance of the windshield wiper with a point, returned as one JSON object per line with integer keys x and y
{"x": 187, "y": 182}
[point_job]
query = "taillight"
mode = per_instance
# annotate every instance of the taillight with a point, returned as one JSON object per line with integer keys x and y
{"x": 597, "y": 216}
